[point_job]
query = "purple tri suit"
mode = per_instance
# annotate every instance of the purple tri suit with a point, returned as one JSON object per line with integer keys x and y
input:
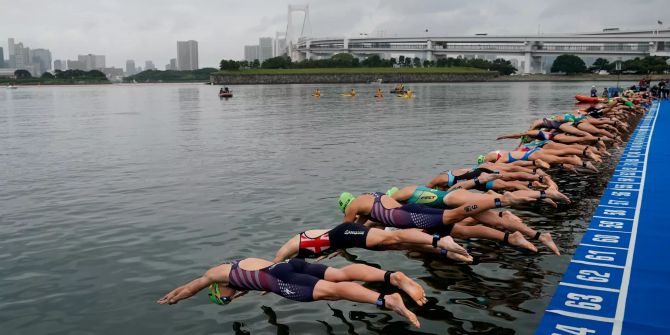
{"x": 409, "y": 216}
{"x": 293, "y": 279}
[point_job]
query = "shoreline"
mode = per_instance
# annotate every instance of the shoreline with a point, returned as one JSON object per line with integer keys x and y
{"x": 348, "y": 78}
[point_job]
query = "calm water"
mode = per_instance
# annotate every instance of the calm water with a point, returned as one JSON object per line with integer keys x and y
{"x": 110, "y": 196}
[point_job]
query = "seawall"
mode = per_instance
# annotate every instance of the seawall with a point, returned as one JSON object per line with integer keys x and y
{"x": 347, "y": 78}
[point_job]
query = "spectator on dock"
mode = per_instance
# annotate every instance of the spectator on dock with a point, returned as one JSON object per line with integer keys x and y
{"x": 605, "y": 94}
{"x": 594, "y": 91}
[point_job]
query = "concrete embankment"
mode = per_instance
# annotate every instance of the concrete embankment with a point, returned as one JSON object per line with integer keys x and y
{"x": 346, "y": 78}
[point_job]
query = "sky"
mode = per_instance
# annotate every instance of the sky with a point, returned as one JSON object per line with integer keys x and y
{"x": 149, "y": 29}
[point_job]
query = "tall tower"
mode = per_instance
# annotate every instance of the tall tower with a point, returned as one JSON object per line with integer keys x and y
{"x": 187, "y": 55}
{"x": 294, "y": 32}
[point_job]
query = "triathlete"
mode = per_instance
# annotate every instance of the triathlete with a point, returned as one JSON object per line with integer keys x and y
{"x": 300, "y": 281}
{"x": 320, "y": 242}
{"x": 380, "y": 208}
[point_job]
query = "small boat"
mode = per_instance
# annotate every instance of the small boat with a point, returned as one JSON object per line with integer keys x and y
{"x": 226, "y": 94}
{"x": 12, "y": 87}
{"x": 394, "y": 91}
{"x": 593, "y": 100}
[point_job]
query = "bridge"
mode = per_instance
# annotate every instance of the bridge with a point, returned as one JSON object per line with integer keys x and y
{"x": 530, "y": 49}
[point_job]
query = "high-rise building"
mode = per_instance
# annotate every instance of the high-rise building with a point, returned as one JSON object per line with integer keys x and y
{"x": 264, "y": 48}
{"x": 10, "y": 53}
{"x": 99, "y": 62}
{"x": 75, "y": 65}
{"x": 130, "y": 67}
{"x": 22, "y": 59}
{"x": 42, "y": 59}
{"x": 173, "y": 63}
{"x": 279, "y": 47}
{"x": 149, "y": 65}
{"x": 2, "y": 58}
{"x": 187, "y": 55}
{"x": 92, "y": 62}
{"x": 250, "y": 52}
{"x": 59, "y": 65}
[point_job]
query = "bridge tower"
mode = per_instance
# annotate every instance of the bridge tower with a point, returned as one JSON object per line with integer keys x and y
{"x": 295, "y": 30}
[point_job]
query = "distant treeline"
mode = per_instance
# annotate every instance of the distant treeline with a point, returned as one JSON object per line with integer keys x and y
{"x": 345, "y": 60}
{"x": 574, "y": 64}
{"x": 58, "y": 77}
{"x": 157, "y": 76}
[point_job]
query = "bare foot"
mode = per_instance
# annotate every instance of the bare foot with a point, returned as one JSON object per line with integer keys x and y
{"x": 394, "y": 303}
{"x": 449, "y": 244}
{"x": 537, "y": 184}
{"x": 556, "y": 195}
{"x": 594, "y": 157}
{"x": 590, "y": 166}
{"x": 516, "y": 239}
{"x": 459, "y": 258}
{"x": 546, "y": 239}
{"x": 412, "y": 288}
{"x": 542, "y": 164}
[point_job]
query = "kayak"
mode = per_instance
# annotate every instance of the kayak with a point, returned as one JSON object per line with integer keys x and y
{"x": 226, "y": 95}
{"x": 347, "y": 95}
{"x": 584, "y": 98}
{"x": 316, "y": 95}
{"x": 398, "y": 91}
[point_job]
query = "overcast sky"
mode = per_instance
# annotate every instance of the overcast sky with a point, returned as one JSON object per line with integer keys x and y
{"x": 148, "y": 29}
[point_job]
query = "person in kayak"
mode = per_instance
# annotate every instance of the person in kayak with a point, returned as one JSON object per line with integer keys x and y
{"x": 301, "y": 281}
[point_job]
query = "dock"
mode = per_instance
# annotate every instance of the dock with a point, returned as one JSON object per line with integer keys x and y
{"x": 618, "y": 281}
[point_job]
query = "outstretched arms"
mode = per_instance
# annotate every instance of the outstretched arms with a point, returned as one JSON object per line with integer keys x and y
{"x": 213, "y": 275}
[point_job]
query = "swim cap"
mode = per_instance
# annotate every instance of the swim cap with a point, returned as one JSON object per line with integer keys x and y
{"x": 345, "y": 199}
{"x": 215, "y": 295}
{"x": 628, "y": 103}
{"x": 391, "y": 191}
{"x": 481, "y": 159}
{"x": 525, "y": 139}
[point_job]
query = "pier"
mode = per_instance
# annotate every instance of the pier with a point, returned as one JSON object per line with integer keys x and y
{"x": 617, "y": 281}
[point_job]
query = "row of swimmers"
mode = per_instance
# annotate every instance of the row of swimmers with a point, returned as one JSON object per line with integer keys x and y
{"x": 427, "y": 218}
{"x": 379, "y": 93}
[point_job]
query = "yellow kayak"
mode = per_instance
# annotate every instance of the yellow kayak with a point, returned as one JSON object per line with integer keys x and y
{"x": 347, "y": 95}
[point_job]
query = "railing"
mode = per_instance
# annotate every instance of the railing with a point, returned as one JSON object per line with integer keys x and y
{"x": 467, "y": 46}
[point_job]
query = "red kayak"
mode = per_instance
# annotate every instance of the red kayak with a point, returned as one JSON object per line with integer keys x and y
{"x": 593, "y": 100}
{"x": 226, "y": 95}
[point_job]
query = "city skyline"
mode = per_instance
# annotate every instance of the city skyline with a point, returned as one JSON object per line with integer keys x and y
{"x": 141, "y": 37}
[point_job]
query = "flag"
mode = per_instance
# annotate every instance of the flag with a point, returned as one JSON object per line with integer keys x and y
{"x": 660, "y": 22}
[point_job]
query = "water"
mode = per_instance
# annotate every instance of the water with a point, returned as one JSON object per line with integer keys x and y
{"x": 110, "y": 196}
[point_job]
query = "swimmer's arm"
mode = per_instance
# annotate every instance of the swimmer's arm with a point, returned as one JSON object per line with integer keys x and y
{"x": 188, "y": 290}
{"x": 288, "y": 250}
{"x": 350, "y": 213}
{"x": 515, "y": 135}
{"x": 438, "y": 180}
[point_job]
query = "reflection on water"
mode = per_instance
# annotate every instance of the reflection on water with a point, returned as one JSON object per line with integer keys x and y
{"x": 113, "y": 195}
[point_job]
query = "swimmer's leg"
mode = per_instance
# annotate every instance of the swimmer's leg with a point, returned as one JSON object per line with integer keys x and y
{"x": 368, "y": 274}
{"x": 327, "y": 290}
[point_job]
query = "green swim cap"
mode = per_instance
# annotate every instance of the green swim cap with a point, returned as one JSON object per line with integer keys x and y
{"x": 628, "y": 103}
{"x": 391, "y": 191}
{"x": 525, "y": 139}
{"x": 481, "y": 159}
{"x": 215, "y": 295}
{"x": 345, "y": 199}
